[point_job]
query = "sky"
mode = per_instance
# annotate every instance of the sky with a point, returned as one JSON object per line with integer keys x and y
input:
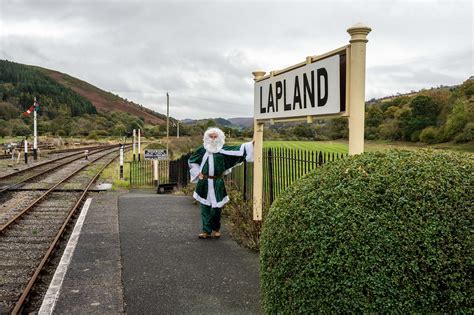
{"x": 203, "y": 52}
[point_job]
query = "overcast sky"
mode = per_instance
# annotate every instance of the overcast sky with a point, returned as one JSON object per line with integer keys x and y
{"x": 203, "y": 52}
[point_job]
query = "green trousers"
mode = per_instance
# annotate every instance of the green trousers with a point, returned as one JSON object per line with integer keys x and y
{"x": 211, "y": 218}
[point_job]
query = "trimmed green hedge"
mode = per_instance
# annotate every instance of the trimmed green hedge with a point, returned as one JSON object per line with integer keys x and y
{"x": 378, "y": 232}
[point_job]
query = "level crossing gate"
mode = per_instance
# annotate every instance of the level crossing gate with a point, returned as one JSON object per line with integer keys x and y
{"x": 141, "y": 173}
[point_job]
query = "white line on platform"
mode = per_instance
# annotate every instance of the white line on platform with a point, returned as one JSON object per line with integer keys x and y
{"x": 52, "y": 295}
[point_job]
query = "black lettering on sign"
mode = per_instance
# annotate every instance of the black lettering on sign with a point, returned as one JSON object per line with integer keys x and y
{"x": 279, "y": 93}
{"x": 287, "y": 106}
{"x": 262, "y": 109}
{"x": 308, "y": 87}
{"x": 270, "y": 99}
{"x": 297, "y": 93}
{"x": 322, "y": 72}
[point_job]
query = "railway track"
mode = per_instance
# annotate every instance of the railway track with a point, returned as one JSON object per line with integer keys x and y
{"x": 15, "y": 178}
{"x": 32, "y": 227}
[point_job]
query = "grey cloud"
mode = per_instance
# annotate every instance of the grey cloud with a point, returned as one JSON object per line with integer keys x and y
{"x": 203, "y": 52}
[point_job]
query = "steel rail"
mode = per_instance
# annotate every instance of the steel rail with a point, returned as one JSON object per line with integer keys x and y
{"x": 44, "y": 163}
{"x": 2, "y": 190}
{"x": 43, "y": 262}
{"x": 31, "y": 205}
{"x": 80, "y": 149}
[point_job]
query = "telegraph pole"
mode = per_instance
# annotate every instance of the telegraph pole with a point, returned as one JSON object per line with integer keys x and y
{"x": 177, "y": 132}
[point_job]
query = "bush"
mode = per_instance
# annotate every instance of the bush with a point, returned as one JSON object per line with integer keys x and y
{"x": 93, "y": 135}
{"x": 238, "y": 215}
{"x": 385, "y": 232}
{"x": 429, "y": 135}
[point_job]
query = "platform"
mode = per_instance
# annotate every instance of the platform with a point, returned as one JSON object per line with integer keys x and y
{"x": 138, "y": 253}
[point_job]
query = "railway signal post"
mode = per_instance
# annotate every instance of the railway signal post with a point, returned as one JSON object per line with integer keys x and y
{"x": 35, "y": 135}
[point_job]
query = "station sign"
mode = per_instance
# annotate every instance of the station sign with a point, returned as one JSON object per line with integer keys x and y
{"x": 306, "y": 89}
{"x": 156, "y": 154}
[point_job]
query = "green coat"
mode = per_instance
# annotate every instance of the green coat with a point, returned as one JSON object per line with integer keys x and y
{"x": 211, "y": 192}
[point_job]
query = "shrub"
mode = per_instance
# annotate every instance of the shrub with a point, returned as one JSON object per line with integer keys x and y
{"x": 238, "y": 215}
{"x": 385, "y": 232}
{"x": 429, "y": 135}
{"x": 93, "y": 135}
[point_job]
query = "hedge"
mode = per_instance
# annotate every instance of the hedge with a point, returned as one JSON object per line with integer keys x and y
{"x": 378, "y": 232}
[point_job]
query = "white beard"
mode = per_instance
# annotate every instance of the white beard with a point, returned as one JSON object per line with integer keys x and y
{"x": 213, "y": 145}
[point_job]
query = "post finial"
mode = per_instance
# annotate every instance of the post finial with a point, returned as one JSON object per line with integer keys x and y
{"x": 258, "y": 74}
{"x": 359, "y": 32}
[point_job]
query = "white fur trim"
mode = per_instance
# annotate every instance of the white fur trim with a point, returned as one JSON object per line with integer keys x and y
{"x": 194, "y": 172}
{"x": 195, "y": 168}
{"x": 211, "y": 164}
{"x": 249, "y": 151}
{"x": 211, "y": 193}
{"x": 200, "y": 199}
{"x": 221, "y": 203}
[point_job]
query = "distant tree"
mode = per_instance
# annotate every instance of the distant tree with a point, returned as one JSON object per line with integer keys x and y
{"x": 429, "y": 135}
{"x": 4, "y": 128}
{"x": 210, "y": 123}
{"x": 304, "y": 130}
{"x": 21, "y": 130}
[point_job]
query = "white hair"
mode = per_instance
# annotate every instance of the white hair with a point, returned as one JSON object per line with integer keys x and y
{"x": 213, "y": 145}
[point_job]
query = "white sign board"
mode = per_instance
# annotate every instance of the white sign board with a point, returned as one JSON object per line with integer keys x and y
{"x": 156, "y": 154}
{"x": 310, "y": 90}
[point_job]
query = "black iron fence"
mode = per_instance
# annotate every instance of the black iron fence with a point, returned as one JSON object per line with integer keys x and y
{"x": 281, "y": 167}
{"x": 179, "y": 171}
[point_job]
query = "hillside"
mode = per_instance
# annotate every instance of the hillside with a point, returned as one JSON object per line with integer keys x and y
{"x": 436, "y": 115}
{"x": 68, "y": 106}
{"x": 19, "y": 84}
{"x": 102, "y": 100}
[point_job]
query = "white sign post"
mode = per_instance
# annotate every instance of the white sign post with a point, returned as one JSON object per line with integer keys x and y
{"x": 134, "y": 143}
{"x": 323, "y": 86}
{"x": 26, "y": 151}
{"x": 139, "y": 146}
{"x": 121, "y": 161}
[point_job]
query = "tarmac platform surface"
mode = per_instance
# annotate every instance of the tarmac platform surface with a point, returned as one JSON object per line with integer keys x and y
{"x": 138, "y": 253}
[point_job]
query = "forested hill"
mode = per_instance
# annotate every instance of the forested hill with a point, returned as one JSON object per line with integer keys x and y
{"x": 102, "y": 100}
{"x": 19, "y": 84}
{"x": 56, "y": 91}
{"x": 433, "y": 115}
{"x": 68, "y": 106}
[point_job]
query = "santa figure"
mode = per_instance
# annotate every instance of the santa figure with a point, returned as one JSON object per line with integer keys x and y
{"x": 208, "y": 164}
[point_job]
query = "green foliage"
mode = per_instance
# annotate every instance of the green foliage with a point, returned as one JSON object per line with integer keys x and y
{"x": 93, "y": 135}
{"x": 4, "y": 128}
{"x": 448, "y": 111}
{"x": 8, "y": 111}
{"x": 19, "y": 128}
{"x": 429, "y": 135}
{"x": 382, "y": 232}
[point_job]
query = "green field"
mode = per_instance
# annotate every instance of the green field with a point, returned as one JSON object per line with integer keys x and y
{"x": 370, "y": 146}
{"x": 324, "y": 146}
